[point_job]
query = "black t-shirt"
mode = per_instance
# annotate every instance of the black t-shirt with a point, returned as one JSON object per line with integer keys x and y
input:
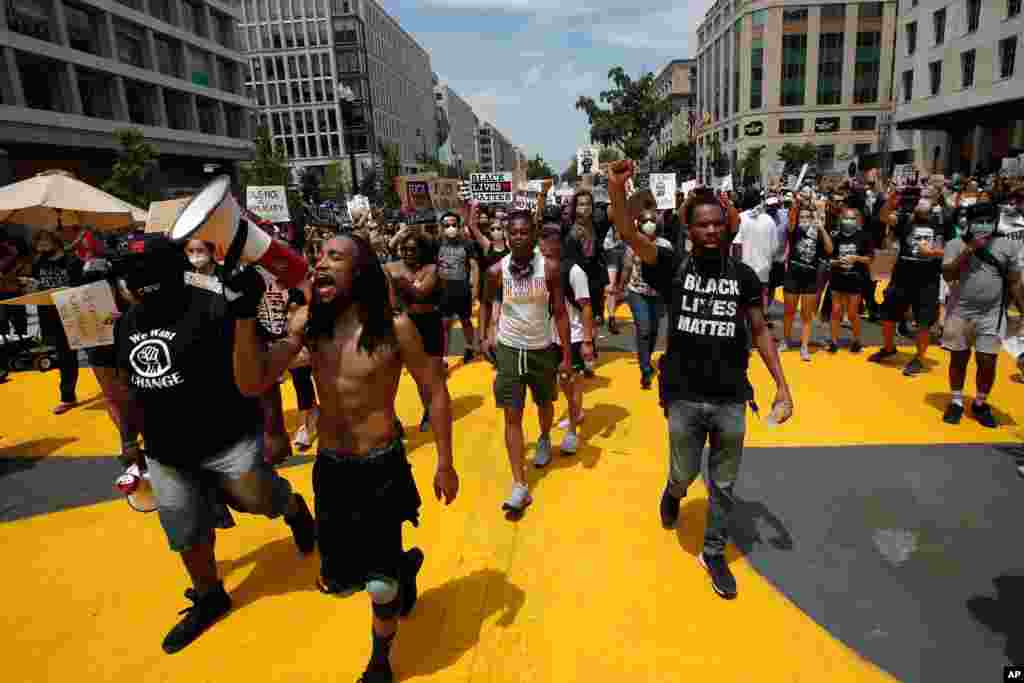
{"x": 912, "y": 268}
{"x": 851, "y": 278}
{"x": 65, "y": 271}
{"x": 178, "y": 359}
{"x": 805, "y": 247}
{"x": 708, "y": 344}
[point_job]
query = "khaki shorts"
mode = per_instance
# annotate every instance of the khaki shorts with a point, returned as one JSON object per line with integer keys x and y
{"x": 518, "y": 369}
{"x": 962, "y": 335}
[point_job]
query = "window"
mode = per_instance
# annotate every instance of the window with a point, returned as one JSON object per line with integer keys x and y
{"x": 1012, "y": 8}
{"x": 794, "y": 68}
{"x": 973, "y": 15}
{"x": 130, "y": 41}
{"x": 168, "y": 54}
{"x": 939, "y": 21}
{"x": 833, "y": 12}
{"x": 30, "y": 18}
{"x": 911, "y": 37}
{"x": 83, "y": 29}
{"x": 935, "y": 76}
{"x": 867, "y": 67}
{"x": 826, "y": 156}
{"x": 908, "y": 85}
{"x": 871, "y": 10}
{"x": 863, "y": 123}
{"x": 794, "y": 16}
{"x": 862, "y": 149}
{"x": 791, "y": 126}
{"x": 161, "y": 9}
{"x": 830, "y": 68}
{"x": 735, "y": 131}
{"x": 192, "y": 18}
{"x": 967, "y": 69}
{"x": 1007, "y": 55}
{"x": 725, "y": 134}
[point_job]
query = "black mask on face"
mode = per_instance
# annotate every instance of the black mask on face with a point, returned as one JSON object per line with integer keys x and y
{"x": 154, "y": 268}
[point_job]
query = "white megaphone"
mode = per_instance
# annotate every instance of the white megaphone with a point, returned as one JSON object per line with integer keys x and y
{"x": 213, "y": 215}
{"x": 136, "y": 488}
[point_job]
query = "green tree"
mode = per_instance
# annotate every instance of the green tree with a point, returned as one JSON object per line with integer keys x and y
{"x": 607, "y": 155}
{"x": 133, "y": 177}
{"x": 634, "y": 115}
{"x": 392, "y": 169}
{"x": 750, "y": 166}
{"x": 470, "y": 167}
{"x": 269, "y": 165}
{"x": 309, "y": 184}
{"x": 337, "y": 181}
{"x": 537, "y": 169}
{"x": 796, "y": 156}
{"x": 678, "y": 159}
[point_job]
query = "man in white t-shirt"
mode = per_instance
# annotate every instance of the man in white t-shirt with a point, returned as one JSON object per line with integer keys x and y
{"x": 757, "y": 243}
{"x": 581, "y": 333}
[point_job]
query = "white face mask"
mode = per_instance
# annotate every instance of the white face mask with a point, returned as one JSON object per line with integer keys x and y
{"x": 497, "y": 235}
{"x": 649, "y": 228}
{"x": 198, "y": 260}
{"x": 451, "y": 232}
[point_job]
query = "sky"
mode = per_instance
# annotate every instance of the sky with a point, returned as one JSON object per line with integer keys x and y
{"x": 521, "y": 64}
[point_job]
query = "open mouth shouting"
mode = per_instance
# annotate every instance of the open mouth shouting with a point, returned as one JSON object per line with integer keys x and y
{"x": 325, "y": 286}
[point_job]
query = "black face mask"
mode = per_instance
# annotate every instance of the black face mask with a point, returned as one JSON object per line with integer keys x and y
{"x": 47, "y": 253}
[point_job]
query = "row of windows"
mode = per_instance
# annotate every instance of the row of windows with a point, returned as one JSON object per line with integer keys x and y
{"x": 287, "y": 35}
{"x": 315, "y": 91}
{"x": 1007, "y": 57}
{"x": 268, "y": 69}
{"x": 939, "y": 23}
{"x": 272, "y": 10}
{"x": 798, "y": 15}
{"x": 304, "y": 122}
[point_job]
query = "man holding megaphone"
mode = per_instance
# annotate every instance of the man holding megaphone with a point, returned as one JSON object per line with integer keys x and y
{"x": 362, "y": 480}
{"x": 204, "y": 438}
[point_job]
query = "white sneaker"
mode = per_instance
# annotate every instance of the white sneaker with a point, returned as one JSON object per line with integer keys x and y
{"x": 542, "y": 456}
{"x": 519, "y": 499}
{"x": 783, "y": 345}
{"x": 302, "y": 440}
{"x": 805, "y": 353}
{"x": 569, "y": 444}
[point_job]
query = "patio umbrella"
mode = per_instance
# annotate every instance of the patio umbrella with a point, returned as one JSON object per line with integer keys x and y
{"x": 56, "y": 196}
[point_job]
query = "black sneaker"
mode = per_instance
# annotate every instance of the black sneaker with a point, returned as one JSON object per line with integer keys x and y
{"x": 425, "y": 422}
{"x": 904, "y": 331}
{"x": 645, "y": 379}
{"x": 669, "y": 509}
{"x": 953, "y": 414}
{"x": 467, "y": 355}
{"x": 914, "y": 367}
{"x": 376, "y": 677}
{"x": 200, "y": 616}
{"x": 413, "y": 562}
{"x": 880, "y": 355}
{"x": 303, "y": 527}
{"x": 833, "y": 347}
{"x": 983, "y": 414}
{"x": 399, "y": 429}
{"x": 855, "y": 347}
{"x": 722, "y": 579}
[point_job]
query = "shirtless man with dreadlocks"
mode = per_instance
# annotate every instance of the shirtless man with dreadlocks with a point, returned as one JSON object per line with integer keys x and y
{"x": 362, "y": 481}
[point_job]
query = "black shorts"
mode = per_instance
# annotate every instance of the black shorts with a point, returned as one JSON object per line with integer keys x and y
{"x": 431, "y": 330}
{"x": 778, "y": 275}
{"x": 848, "y": 283}
{"x": 576, "y": 351}
{"x": 924, "y": 301}
{"x": 456, "y": 303}
{"x": 361, "y": 503}
{"x": 800, "y": 281}
{"x": 102, "y": 357}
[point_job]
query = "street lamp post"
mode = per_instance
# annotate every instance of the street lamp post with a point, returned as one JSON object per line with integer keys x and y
{"x": 347, "y": 98}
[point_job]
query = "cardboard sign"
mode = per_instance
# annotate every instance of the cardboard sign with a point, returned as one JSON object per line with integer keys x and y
{"x": 535, "y": 186}
{"x": 419, "y": 194}
{"x": 491, "y": 188}
{"x": 163, "y": 214}
{"x": 664, "y": 187}
{"x": 43, "y": 298}
{"x": 727, "y": 183}
{"x": 87, "y": 314}
{"x": 269, "y": 202}
{"x": 586, "y": 160}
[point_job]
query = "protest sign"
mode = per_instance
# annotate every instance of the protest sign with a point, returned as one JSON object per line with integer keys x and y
{"x": 163, "y": 214}
{"x": 689, "y": 186}
{"x": 87, "y": 314}
{"x": 491, "y": 188}
{"x": 664, "y": 187}
{"x": 727, "y": 183}
{"x": 444, "y": 193}
{"x": 269, "y": 202}
{"x": 535, "y": 186}
{"x": 586, "y": 160}
{"x": 419, "y": 194}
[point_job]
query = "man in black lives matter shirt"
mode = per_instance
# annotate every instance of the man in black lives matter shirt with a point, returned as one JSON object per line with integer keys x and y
{"x": 714, "y": 306}
{"x": 204, "y": 440}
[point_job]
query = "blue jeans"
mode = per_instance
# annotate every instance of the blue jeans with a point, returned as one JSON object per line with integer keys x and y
{"x": 722, "y": 426}
{"x": 647, "y": 312}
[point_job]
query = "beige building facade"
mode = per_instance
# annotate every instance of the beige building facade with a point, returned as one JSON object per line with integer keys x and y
{"x": 959, "y": 85}
{"x": 676, "y": 82}
{"x": 775, "y": 73}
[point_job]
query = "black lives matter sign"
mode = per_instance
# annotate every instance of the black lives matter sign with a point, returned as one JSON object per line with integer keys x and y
{"x": 491, "y": 188}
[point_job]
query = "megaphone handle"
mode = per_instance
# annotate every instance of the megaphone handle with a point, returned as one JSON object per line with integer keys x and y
{"x": 234, "y": 253}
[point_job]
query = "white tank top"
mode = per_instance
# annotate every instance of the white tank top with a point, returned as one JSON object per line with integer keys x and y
{"x": 525, "y": 321}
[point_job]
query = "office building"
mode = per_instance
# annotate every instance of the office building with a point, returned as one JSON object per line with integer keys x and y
{"x": 494, "y": 152}
{"x": 676, "y": 82}
{"x": 793, "y": 73}
{"x": 74, "y": 71}
{"x": 959, "y": 85}
{"x": 457, "y": 127}
{"x": 305, "y": 55}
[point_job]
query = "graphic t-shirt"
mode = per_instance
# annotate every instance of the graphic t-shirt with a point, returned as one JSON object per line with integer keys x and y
{"x": 912, "y": 267}
{"x": 708, "y": 343}
{"x": 65, "y": 271}
{"x": 805, "y": 246}
{"x": 272, "y": 311}
{"x": 178, "y": 357}
{"x": 851, "y": 278}
{"x": 580, "y": 291}
{"x": 453, "y": 269}
{"x": 636, "y": 276}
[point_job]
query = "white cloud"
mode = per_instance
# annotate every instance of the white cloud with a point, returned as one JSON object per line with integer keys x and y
{"x": 532, "y": 76}
{"x": 671, "y": 31}
{"x": 487, "y": 103}
{"x": 573, "y": 82}
{"x": 531, "y": 54}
